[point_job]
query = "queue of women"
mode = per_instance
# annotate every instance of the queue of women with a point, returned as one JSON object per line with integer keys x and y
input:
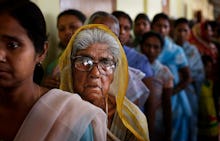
{"x": 94, "y": 89}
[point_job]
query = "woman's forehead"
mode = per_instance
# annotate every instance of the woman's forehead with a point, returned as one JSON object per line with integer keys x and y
{"x": 96, "y": 49}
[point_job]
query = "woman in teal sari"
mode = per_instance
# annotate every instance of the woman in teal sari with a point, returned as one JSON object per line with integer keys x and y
{"x": 174, "y": 57}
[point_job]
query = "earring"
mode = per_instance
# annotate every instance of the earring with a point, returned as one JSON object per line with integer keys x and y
{"x": 39, "y": 64}
{"x": 38, "y": 73}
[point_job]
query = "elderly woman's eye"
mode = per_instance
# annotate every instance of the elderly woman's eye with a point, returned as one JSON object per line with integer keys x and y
{"x": 107, "y": 62}
{"x": 87, "y": 62}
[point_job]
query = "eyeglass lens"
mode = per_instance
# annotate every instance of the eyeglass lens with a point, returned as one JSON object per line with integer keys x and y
{"x": 105, "y": 66}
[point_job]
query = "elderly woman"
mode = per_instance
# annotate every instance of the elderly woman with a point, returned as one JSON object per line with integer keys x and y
{"x": 94, "y": 65}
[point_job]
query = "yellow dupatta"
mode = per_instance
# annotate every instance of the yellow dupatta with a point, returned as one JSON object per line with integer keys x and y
{"x": 131, "y": 116}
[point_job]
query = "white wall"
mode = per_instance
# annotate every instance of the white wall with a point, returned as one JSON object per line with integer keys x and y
{"x": 153, "y": 7}
{"x": 50, "y": 10}
{"x": 177, "y": 8}
{"x": 203, "y": 5}
{"x": 132, "y": 7}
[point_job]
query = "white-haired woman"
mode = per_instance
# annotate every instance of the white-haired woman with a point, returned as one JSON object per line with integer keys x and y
{"x": 94, "y": 65}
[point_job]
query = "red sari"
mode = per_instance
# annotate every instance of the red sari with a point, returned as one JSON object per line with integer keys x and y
{"x": 205, "y": 47}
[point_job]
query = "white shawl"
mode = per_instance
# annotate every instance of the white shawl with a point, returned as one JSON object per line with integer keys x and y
{"x": 62, "y": 116}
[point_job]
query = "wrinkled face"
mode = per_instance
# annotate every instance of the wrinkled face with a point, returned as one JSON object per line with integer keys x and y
{"x": 125, "y": 28}
{"x": 181, "y": 33}
{"x": 151, "y": 48}
{"x": 17, "y": 54}
{"x": 67, "y": 25}
{"x": 162, "y": 26}
{"x": 141, "y": 26}
{"x": 92, "y": 85}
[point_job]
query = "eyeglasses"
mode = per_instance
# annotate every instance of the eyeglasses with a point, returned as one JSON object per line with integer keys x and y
{"x": 105, "y": 66}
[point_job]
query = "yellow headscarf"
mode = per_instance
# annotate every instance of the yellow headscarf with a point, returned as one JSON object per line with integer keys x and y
{"x": 130, "y": 115}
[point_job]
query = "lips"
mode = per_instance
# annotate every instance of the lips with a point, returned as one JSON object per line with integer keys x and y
{"x": 92, "y": 86}
{"x": 3, "y": 70}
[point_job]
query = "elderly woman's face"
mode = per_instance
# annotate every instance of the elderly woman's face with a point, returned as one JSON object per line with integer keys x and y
{"x": 93, "y": 72}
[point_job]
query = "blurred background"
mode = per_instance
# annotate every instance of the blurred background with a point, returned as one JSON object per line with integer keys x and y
{"x": 190, "y": 9}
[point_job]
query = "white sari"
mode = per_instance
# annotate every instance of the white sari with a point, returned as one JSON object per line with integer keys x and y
{"x": 62, "y": 116}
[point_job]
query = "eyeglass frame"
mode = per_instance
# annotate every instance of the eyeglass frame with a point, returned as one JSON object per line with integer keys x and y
{"x": 100, "y": 68}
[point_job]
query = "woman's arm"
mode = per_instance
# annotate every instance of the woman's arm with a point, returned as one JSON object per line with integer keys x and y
{"x": 185, "y": 79}
{"x": 167, "y": 114}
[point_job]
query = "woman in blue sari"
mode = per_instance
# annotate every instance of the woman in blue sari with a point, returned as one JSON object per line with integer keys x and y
{"x": 173, "y": 56}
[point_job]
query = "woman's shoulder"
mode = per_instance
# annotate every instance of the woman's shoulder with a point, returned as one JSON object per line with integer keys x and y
{"x": 69, "y": 100}
{"x": 73, "y": 106}
{"x": 61, "y": 93}
{"x": 68, "y": 111}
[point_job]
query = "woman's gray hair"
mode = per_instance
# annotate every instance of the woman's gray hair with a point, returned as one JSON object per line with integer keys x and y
{"x": 88, "y": 37}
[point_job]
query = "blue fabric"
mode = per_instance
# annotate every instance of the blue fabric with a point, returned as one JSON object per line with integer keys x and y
{"x": 193, "y": 89}
{"x": 138, "y": 61}
{"x": 174, "y": 57}
{"x": 195, "y": 65}
{"x": 88, "y": 135}
{"x": 51, "y": 66}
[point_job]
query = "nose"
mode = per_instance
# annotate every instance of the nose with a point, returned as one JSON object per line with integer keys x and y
{"x": 142, "y": 26}
{"x": 95, "y": 71}
{"x": 152, "y": 50}
{"x": 68, "y": 32}
{"x": 162, "y": 29}
{"x": 2, "y": 54}
{"x": 122, "y": 30}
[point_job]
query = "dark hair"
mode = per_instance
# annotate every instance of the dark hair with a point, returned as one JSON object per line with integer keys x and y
{"x": 181, "y": 21}
{"x": 159, "y": 16}
{"x": 141, "y": 16}
{"x": 73, "y": 12}
{"x": 30, "y": 18}
{"x": 152, "y": 34}
{"x": 119, "y": 14}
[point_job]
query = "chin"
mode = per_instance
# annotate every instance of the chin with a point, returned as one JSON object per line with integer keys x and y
{"x": 97, "y": 100}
